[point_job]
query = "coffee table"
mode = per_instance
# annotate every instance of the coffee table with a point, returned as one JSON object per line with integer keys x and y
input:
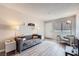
{"x": 69, "y": 50}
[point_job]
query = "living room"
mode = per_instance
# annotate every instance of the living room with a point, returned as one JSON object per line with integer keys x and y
{"x": 38, "y": 27}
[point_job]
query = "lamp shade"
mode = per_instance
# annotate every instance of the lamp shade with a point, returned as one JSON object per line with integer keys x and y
{"x": 68, "y": 21}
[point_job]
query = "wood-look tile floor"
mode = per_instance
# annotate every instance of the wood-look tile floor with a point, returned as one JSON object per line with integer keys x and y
{"x": 46, "y": 48}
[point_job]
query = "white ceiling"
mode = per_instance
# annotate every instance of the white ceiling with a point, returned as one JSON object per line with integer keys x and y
{"x": 45, "y": 11}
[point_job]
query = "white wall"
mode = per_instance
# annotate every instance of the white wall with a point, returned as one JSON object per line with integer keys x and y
{"x": 77, "y": 24}
{"x": 15, "y": 18}
{"x": 39, "y": 27}
{"x": 48, "y": 29}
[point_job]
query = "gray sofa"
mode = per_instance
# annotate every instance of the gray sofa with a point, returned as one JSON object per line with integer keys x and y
{"x": 26, "y": 42}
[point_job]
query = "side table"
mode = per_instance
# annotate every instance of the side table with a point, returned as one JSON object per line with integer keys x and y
{"x": 10, "y": 45}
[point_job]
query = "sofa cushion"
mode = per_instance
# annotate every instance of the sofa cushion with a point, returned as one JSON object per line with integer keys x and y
{"x": 28, "y": 37}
